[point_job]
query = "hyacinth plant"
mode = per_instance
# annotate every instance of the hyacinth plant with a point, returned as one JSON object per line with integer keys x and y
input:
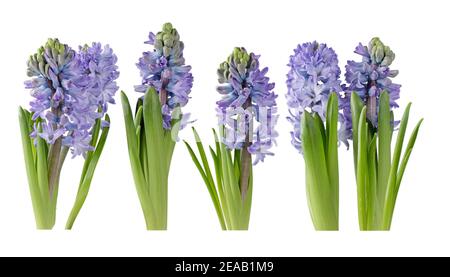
{"x": 313, "y": 81}
{"x": 247, "y": 116}
{"x": 71, "y": 91}
{"x": 370, "y": 96}
{"x": 153, "y": 129}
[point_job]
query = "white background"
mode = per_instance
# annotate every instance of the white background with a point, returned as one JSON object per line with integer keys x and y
{"x": 111, "y": 222}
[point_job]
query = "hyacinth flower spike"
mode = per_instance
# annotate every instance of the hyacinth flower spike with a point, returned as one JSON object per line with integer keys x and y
{"x": 152, "y": 130}
{"x": 247, "y": 116}
{"x": 313, "y": 81}
{"x": 369, "y": 99}
{"x": 71, "y": 92}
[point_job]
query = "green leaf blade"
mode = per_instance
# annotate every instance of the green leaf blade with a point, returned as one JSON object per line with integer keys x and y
{"x": 332, "y": 148}
{"x": 30, "y": 165}
{"x": 384, "y": 139}
{"x": 320, "y": 195}
{"x": 88, "y": 175}
{"x": 391, "y": 187}
{"x": 136, "y": 167}
{"x": 356, "y": 108}
{"x": 362, "y": 170}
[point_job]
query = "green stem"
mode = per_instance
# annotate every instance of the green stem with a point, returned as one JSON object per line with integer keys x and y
{"x": 246, "y": 157}
{"x": 246, "y": 164}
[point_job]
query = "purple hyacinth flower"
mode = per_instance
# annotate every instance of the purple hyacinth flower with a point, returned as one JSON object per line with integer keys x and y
{"x": 368, "y": 79}
{"x": 164, "y": 70}
{"x": 313, "y": 74}
{"x": 71, "y": 91}
{"x": 247, "y": 97}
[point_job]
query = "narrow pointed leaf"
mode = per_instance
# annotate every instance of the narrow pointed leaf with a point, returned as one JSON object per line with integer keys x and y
{"x": 356, "y": 107}
{"x": 332, "y": 147}
{"x": 321, "y": 198}
{"x": 408, "y": 150}
{"x": 156, "y": 158}
{"x": 362, "y": 170}
{"x": 133, "y": 151}
{"x": 42, "y": 169}
{"x": 33, "y": 183}
{"x": 384, "y": 139}
{"x": 89, "y": 174}
{"x": 392, "y": 183}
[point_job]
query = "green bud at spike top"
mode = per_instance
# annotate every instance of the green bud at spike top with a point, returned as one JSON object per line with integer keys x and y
{"x": 380, "y": 53}
{"x": 168, "y": 43}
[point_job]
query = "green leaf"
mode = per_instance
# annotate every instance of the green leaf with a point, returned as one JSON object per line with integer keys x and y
{"x": 332, "y": 147}
{"x": 171, "y": 137}
{"x": 217, "y": 142}
{"x": 139, "y": 180}
{"x": 225, "y": 208}
{"x": 400, "y": 138}
{"x": 129, "y": 125}
{"x": 384, "y": 140}
{"x": 319, "y": 125}
{"x": 408, "y": 150}
{"x": 372, "y": 198}
{"x": 42, "y": 168}
{"x": 138, "y": 117}
{"x": 356, "y": 107}
{"x": 401, "y": 170}
{"x": 237, "y": 163}
{"x": 139, "y": 126}
{"x": 320, "y": 196}
{"x": 207, "y": 179}
{"x": 229, "y": 183}
{"x": 391, "y": 187}
{"x": 362, "y": 170}
{"x": 85, "y": 183}
{"x": 220, "y": 181}
{"x": 227, "y": 161}
{"x": 154, "y": 135}
{"x": 95, "y": 134}
{"x": 142, "y": 143}
{"x": 138, "y": 136}
{"x": 33, "y": 183}
{"x": 205, "y": 163}
{"x": 197, "y": 163}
